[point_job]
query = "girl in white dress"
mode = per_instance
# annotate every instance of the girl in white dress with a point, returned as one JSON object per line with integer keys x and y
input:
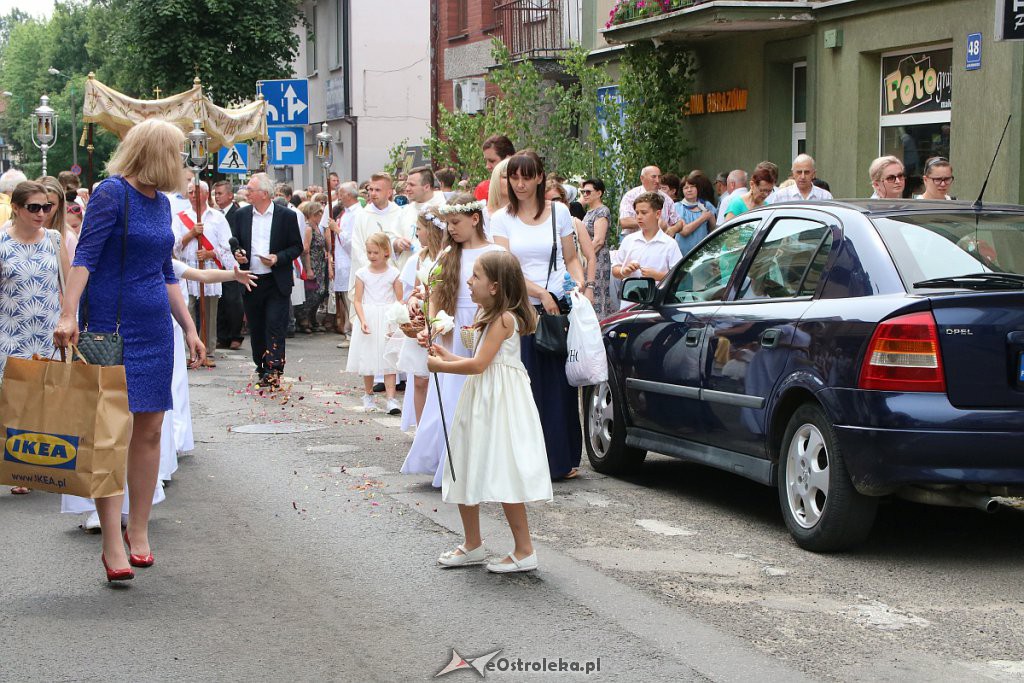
{"x": 412, "y": 359}
{"x": 467, "y": 242}
{"x": 497, "y": 444}
{"x": 377, "y": 287}
{"x": 176, "y": 432}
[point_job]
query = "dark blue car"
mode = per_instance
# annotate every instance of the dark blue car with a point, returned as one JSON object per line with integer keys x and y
{"x": 840, "y": 351}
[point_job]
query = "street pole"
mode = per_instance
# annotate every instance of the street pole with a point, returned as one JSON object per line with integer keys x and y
{"x": 44, "y": 128}
{"x": 74, "y": 136}
{"x": 198, "y": 157}
{"x": 325, "y": 152}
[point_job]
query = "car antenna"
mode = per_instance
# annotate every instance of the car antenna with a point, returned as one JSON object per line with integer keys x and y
{"x": 977, "y": 203}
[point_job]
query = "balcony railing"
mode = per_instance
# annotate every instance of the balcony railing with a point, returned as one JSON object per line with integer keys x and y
{"x": 538, "y": 29}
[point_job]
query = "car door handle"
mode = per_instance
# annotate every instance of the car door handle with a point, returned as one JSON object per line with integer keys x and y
{"x": 770, "y": 338}
{"x": 692, "y": 337}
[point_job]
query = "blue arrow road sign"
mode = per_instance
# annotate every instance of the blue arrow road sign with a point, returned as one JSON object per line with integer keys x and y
{"x": 287, "y": 146}
{"x": 287, "y": 102}
{"x": 233, "y": 158}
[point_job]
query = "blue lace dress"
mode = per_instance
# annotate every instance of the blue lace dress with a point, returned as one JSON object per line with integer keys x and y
{"x": 145, "y": 311}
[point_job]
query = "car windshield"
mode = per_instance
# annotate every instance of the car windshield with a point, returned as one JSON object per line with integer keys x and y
{"x": 942, "y": 246}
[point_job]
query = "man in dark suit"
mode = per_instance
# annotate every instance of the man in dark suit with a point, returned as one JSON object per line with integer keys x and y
{"x": 230, "y": 312}
{"x": 269, "y": 241}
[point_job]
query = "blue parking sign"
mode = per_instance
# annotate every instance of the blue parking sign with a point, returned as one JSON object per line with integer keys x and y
{"x": 287, "y": 102}
{"x": 973, "y": 51}
{"x": 287, "y": 146}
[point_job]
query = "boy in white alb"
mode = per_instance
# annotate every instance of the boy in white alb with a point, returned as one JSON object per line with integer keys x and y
{"x": 648, "y": 252}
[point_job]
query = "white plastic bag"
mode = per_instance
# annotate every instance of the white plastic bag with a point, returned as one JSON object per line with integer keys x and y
{"x": 586, "y": 363}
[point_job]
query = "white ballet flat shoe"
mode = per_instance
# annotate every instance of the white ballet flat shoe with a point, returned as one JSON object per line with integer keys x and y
{"x": 527, "y": 564}
{"x": 467, "y": 557}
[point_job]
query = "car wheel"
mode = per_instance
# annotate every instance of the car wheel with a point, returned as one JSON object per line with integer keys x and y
{"x": 604, "y": 431}
{"x": 822, "y": 509}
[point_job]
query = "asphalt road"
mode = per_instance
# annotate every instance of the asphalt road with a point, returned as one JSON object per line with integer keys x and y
{"x": 306, "y": 557}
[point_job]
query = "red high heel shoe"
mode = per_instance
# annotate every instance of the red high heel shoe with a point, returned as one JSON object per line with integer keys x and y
{"x": 137, "y": 560}
{"x": 117, "y": 574}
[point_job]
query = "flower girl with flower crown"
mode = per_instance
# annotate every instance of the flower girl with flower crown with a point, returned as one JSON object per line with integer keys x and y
{"x": 464, "y": 243}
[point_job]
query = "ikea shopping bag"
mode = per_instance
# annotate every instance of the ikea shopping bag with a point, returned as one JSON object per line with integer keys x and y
{"x": 586, "y": 363}
{"x": 66, "y": 427}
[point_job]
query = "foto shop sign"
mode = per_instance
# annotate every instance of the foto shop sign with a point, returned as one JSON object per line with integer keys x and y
{"x": 917, "y": 83}
{"x": 1009, "y": 19}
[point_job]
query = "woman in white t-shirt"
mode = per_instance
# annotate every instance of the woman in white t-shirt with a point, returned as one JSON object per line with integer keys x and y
{"x": 528, "y": 227}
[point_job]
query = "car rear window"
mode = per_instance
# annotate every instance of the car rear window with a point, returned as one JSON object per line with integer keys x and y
{"x": 928, "y": 246}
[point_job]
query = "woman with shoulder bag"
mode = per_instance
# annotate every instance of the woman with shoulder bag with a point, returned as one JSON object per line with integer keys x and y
{"x": 540, "y": 234}
{"x": 124, "y": 280}
{"x": 30, "y": 261}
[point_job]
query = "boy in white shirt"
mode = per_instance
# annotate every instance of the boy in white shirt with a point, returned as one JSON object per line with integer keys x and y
{"x": 649, "y": 252}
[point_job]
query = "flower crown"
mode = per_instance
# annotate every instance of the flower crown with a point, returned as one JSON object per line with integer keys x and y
{"x": 438, "y": 223}
{"x": 471, "y": 207}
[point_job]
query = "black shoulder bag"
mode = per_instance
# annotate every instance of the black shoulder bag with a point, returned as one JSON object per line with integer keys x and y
{"x": 106, "y": 348}
{"x": 553, "y": 328}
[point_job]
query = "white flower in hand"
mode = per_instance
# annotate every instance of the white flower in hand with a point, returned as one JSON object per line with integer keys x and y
{"x": 430, "y": 271}
{"x": 398, "y": 313}
{"x": 442, "y": 323}
{"x": 423, "y": 274}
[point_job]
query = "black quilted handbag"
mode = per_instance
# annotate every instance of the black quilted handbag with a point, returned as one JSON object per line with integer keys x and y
{"x": 105, "y": 348}
{"x": 552, "y": 333}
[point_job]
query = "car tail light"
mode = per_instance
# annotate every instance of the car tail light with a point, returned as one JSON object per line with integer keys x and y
{"x": 904, "y": 355}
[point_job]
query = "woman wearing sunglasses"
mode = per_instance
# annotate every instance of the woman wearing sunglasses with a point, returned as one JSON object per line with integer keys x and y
{"x": 938, "y": 179}
{"x": 29, "y": 282}
{"x": 54, "y": 195}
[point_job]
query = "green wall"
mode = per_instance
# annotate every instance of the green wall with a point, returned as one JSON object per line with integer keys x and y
{"x": 848, "y": 91}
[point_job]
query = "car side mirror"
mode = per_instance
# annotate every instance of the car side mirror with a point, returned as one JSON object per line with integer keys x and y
{"x": 639, "y": 290}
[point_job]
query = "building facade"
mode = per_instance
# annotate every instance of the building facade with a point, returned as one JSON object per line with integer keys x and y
{"x": 368, "y": 66}
{"x": 847, "y": 81}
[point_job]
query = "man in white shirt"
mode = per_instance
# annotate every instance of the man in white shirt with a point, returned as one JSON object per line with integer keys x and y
{"x": 419, "y": 186}
{"x": 269, "y": 241}
{"x": 379, "y": 215}
{"x": 650, "y": 179}
{"x": 648, "y": 252}
{"x": 203, "y": 244}
{"x": 804, "y": 188}
{"x": 230, "y": 312}
{"x": 736, "y": 180}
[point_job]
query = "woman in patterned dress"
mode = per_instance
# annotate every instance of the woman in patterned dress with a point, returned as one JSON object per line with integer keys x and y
{"x": 29, "y": 278}
{"x": 142, "y": 285}
{"x": 598, "y": 222}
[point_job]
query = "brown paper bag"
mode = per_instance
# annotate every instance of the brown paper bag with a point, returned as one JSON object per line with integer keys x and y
{"x": 66, "y": 427}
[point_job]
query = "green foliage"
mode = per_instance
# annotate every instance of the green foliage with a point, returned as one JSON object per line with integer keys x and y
{"x": 560, "y": 121}
{"x": 655, "y": 87}
{"x": 396, "y": 157}
{"x": 230, "y": 44}
{"x": 135, "y": 46}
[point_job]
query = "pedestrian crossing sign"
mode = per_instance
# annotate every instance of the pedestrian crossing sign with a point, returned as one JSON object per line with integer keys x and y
{"x": 233, "y": 159}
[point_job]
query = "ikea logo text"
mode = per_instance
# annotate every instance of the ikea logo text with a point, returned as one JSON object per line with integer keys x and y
{"x": 57, "y": 451}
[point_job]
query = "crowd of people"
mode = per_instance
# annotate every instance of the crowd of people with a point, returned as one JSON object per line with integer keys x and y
{"x": 426, "y": 280}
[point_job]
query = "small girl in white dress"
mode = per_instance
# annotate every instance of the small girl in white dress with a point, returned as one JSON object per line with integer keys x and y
{"x": 497, "y": 445}
{"x": 377, "y": 286}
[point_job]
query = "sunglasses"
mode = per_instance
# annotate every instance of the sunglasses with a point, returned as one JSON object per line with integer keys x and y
{"x": 897, "y": 177}
{"x": 36, "y": 208}
{"x": 74, "y": 208}
{"x": 585, "y": 191}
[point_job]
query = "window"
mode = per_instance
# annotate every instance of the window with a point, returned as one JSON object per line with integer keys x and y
{"x": 916, "y": 108}
{"x": 799, "y": 108}
{"x": 461, "y": 18}
{"x": 782, "y": 266}
{"x": 311, "y": 44}
{"x": 705, "y": 273}
{"x": 338, "y": 36}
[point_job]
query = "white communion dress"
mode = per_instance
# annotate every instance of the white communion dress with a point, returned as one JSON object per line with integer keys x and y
{"x": 366, "y": 354}
{"x": 427, "y": 453}
{"x": 496, "y": 439}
